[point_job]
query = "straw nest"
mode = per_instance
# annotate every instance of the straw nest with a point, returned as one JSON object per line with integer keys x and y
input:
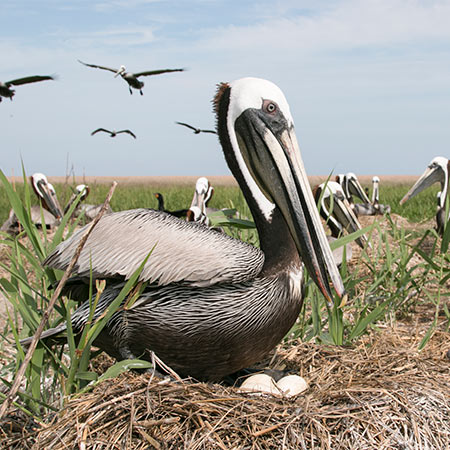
{"x": 381, "y": 394}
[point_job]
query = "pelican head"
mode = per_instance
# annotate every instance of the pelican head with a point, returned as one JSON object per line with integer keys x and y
{"x": 82, "y": 189}
{"x": 200, "y": 194}
{"x": 341, "y": 215}
{"x": 375, "y": 186}
{"x": 262, "y": 151}
{"x": 121, "y": 71}
{"x": 354, "y": 187}
{"x": 436, "y": 172}
{"x": 46, "y": 192}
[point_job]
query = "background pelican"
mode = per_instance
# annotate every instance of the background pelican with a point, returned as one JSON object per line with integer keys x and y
{"x": 214, "y": 304}
{"x": 5, "y": 86}
{"x": 113, "y": 133}
{"x": 87, "y": 211}
{"x": 338, "y": 215}
{"x": 196, "y": 130}
{"x": 352, "y": 187}
{"x": 50, "y": 213}
{"x": 378, "y": 207}
{"x": 436, "y": 172}
{"x": 132, "y": 78}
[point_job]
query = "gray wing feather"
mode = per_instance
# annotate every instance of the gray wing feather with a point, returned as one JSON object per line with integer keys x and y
{"x": 183, "y": 251}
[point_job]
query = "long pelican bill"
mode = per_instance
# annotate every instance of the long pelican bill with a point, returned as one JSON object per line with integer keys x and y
{"x": 355, "y": 188}
{"x": 344, "y": 214}
{"x": 49, "y": 196}
{"x": 273, "y": 144}
{"x": 431, "y": 175}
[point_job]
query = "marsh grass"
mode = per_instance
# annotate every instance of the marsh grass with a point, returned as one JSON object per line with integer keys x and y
{"x": 385, "y": 282}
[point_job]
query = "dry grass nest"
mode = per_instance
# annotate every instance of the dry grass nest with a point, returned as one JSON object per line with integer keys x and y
{"x": 380, "y": 394}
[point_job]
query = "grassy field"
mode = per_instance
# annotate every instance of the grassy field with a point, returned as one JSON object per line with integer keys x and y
{"x": 131, "y": 195}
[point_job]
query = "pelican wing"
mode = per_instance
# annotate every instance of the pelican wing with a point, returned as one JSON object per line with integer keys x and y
{"x": 99, "y": 67}
{"x": 32, "y": 79}
{"x": 127, "y": 131}
{"x": 100, "y": 129}
{"x": 187, "y": 125}
{"x": 156, "y": 72}
{"x": 209, "y": 131}
{"x": 183, "y": 251}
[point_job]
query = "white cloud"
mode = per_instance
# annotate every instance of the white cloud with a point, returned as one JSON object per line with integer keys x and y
{"x": 345, "y": 25}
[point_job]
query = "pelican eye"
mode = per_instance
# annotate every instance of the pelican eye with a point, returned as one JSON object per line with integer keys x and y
{"x": 269, "y": 107}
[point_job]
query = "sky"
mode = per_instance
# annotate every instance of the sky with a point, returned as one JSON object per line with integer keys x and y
{"x": 368, "y": 82}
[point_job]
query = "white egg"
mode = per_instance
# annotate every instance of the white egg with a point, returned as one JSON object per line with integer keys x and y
{"x": 292, "y": 385}
{"x": 260, "y": 384}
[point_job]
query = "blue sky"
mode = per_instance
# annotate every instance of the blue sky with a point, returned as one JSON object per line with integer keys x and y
{"x": 368, "y": 82}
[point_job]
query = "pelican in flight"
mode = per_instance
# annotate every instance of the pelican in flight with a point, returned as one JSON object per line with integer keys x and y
{"x": 436, "y": 172}
{"x": 196, "y": 130}
{"x": 83, "y": 209}
{"x": 113, "y": 133}
{"x": 132, "y": 78}
{"x": 51, "y": 211}
{"x": 335, "y": 209}
{"x": 5, "y": 86}
{"x": 213, "y": 304}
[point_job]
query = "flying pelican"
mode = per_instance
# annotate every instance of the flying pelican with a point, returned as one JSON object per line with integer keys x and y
{"x": 132, "y": 78}
{"x": 51, "y": 210}
{"x": 213, "y": 304}
{"x": 196, "y": 130}
{"x": 5, "y": 86}
{"x": 113, "y": 133}
{"x": 88, "y": 211}
{"x": 436, "y": 172}
{"x": 341, "y": 217}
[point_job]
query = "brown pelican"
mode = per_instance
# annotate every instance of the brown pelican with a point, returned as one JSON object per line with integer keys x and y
{"x": 50, "y": 212}
{"x": 436, "y": 172}
{"x": 341, "y": 217}
{"x": 132, "y": 78}
{"x": 351, "y": 187}
{"x": 196, "y": 130}
{"x": 214, "y": 304}
{"x": 5, "y": 86}
{"x": 89, "y": 212}
{"x": 378, "y": 207}
{"x": 113, "y": 133}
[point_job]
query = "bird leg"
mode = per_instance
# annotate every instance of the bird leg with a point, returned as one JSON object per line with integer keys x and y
{"x": 129, "y": 88}
{"x": 140, "y": 90}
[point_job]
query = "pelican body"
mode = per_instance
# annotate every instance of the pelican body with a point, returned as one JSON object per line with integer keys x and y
{"x": 5, "y": 86}
{"x": 132, "y": 78}
{"x": 213, "y": 304}
{"x": 436, "y": 172}
{"x": 49, "y": 215}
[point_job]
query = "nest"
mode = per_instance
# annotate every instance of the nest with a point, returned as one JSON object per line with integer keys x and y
{"x": 381, "y": 394}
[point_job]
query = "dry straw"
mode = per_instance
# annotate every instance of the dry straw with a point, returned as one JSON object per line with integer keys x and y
{"x": 383, "y": 394}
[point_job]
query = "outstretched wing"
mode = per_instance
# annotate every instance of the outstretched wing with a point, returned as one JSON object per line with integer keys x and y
{"x": 156, "y": 72}
{"x": 127, "y": 131}
{"x": 98, "y": 67}
{"x": 209, "y": 131}
{"x": 182, "y": 251}
{"x": 100, "y": 129}
{"x": 187, "y": 125}
{"x": 32, "y": 79}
